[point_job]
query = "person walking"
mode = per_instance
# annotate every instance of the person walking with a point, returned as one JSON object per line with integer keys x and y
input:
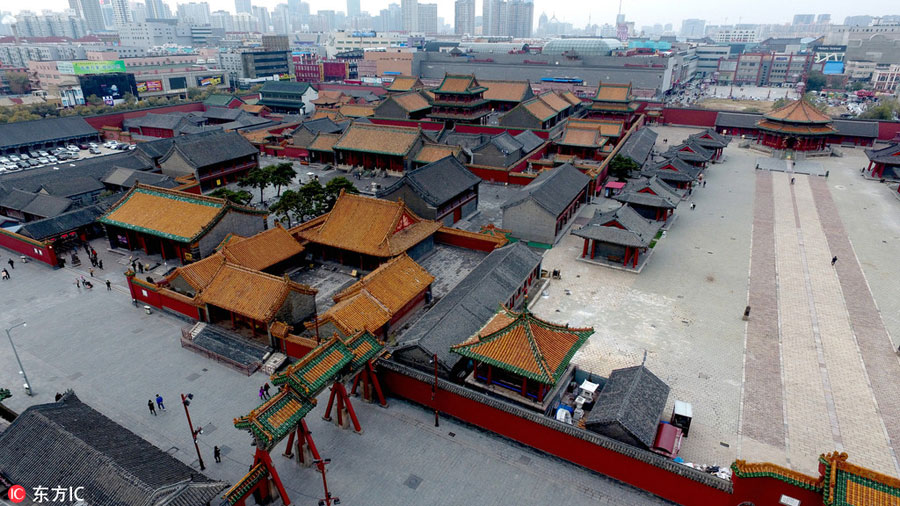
{"x": 11, "y": 263}
{"x": 108, "y": 286}
{"x": 91, "y": 270}
{"x": 693, "y": 205}
{"x": 833, "y": 260}
{"x": 77, "y": 283}
{"x": 217, "y": 454}
{"x": 159, "y": 402}
{"x": 152, "y": 408}
{"x": 792, "y": 180}
{"x": 704, "y": 185}
{"x": 100, "y": 264}
{"x": 266, "y": 388}
{"x": 262, "y": 393}
{"x": 4, "y": 274}
{"x": 133, "y": 266}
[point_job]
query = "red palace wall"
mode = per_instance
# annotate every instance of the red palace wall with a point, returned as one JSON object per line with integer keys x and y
{"x": 116, "y": 119}
{"x": 159, "y": 298}
{"x": 28, "y": 247}
{"x": 674, "y": 484}
{"x": 689, "y": 117}
{"x": 887, "y": 130}
{"x": 467, "y": 241}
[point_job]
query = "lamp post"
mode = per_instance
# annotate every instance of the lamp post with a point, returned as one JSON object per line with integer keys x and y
{"x": 21, "y": 369}
{"x": 329, "y": 500}
{"x": 186, "y": 401}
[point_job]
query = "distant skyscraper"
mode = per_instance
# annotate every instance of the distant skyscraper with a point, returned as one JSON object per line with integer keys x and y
{"x": 428, "y": 18}
{"x": 89, "y": 11}
{"x": 156, "y": 9}
{"x": 121, "y": 12}
{"x": 520, "y": 18}
{"x": 262, "y": 17}
{"x": 353, "y": 8}
{"x": 692, "y": 28}
{"x": 242, "y": 6}
{"x": 490, "y": 17}
{"x": 858, "y": 20}
{"x": 194, "y": 13}
{"x": 464, "y": 17}
{"x": 823, "y": 19}
{"x": 804, "y": 19}
{"x": 409, "y": 10}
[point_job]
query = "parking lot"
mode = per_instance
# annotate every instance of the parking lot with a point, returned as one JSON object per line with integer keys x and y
{"x": 48, "y": 157}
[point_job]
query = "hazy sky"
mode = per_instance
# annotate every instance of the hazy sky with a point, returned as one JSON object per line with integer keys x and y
{"x": 642, "y": 12}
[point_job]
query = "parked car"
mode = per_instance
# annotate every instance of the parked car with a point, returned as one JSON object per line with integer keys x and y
{"x": 122, "y": 147}
{"x": 93, "y": 145}
{"x": 73, "y": 148}
{"x": 34, "y": 154}
{"x": 34, "y": 163}
{"x": 23, "y": 156}
{"x": 4, "y": 160}
{"x": 43, "y": 153}
{"x": 132, "y": 147}
{"x": 52, "y": 159}
{"x": 43, "y": 160}
{"x": 83, "y": 146}
{"x": 95, "y": 151}
{"x": 23, "y": 164}
{"x": 10, "y": 166}
{"x": 14, "y": 158}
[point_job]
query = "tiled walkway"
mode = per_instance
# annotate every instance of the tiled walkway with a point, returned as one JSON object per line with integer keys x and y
{"x": 802, "y": 361}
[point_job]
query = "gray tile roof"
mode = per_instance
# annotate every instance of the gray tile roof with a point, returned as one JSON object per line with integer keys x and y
{"x": 17, "y": 199}
{"x": 222, "y": 113}
{"x": 67, "y": 443}
{"x": 65, "y": 222}
{"x": 471, "y": 303}
{"x": 72, "y": 186}
{"x": 638, "y": 231}
{"x": 711, "y": 139}
{"x": 325, "y": 125}
{"x": 553, "y": 189}
{"x": 26, "y": 133}
{"x": 663, "y": 195}
{"x": 888, "y": 156}
{"x": 220, "y": 100}
{"x": 47, "y": 206}
{"x": 689, "y": 150}
{"x": 856, "y": 128}
{"x": 638, "y": 145}
{"x": 168, "y": 121}
{"x": 682, "y": 172}
{"x": 629, "y": 406}
{"x": 437, "y": 182}
{"x": 205, "y": 150}
{"x": 504, "y": 142}
{"x": 529, "y": 140}
{"x": 283, "y": 87}
{"x": 126, "y": 178}
{"x": 737, "y": 120}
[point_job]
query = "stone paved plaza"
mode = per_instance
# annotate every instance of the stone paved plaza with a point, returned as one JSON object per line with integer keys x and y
{"x": 116, "y": 357}
{"x": 812, "y": 369}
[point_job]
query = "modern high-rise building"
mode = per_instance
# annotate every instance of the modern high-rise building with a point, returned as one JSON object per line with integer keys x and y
{"x": 89, "y": 11}
{"x": 428, "y": 18}
{"x": 464, "y": 17}
{"x": 353, "y": 8}
{"x": 693, "y": 28}
{"x": 520, "y": 18}
{"x": 242, "y": 6}
{"x": 804, "y": 19}
{"x": 823, "y": 19}
{"x": 193, "y": 13}
{"x": 262, "y": 17}
{"x": 409, "y": 10}
{"x": 490, "y": 17}
{"x": 156, "y": 9}
{"x": 121, "y": 12}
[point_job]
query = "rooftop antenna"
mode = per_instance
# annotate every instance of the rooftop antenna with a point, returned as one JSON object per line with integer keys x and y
{"x": 644, "y": 361}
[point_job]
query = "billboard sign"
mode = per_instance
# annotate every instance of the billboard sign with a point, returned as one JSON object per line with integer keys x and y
{"x": 830, "y": 49}
{"x": 149, "y": 86}
{"x": 209, "y": 81}
{"x": 81, "y": 68}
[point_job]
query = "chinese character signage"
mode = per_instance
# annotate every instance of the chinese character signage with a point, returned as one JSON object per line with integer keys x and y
{"x": 80, "y": 68}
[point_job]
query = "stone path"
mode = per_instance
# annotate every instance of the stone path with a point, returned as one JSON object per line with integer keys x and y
{"x": 802, "y": 361}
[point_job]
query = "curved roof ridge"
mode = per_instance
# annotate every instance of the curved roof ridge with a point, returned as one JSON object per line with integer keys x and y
{"x": 799, "y": 111}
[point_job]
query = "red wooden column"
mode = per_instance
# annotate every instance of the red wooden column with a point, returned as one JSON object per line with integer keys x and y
{"x": 584, "y": 250}
{"x": 593, "y": 248}
{"x": 637, "y": 253}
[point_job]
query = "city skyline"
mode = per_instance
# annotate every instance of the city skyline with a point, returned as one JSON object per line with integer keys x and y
{"x": 644, "y": 13}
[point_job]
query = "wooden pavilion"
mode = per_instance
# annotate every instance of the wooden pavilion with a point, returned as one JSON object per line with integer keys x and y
{"x": 520, "y": 353}
{"x": 798, "y": 126}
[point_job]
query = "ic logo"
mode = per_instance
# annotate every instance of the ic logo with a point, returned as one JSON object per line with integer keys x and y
{"x": 16, "y": 493}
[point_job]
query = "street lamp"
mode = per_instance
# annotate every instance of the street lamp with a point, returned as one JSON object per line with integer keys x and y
{"x": 186, "y": 401}
{"x": 21, "y": 369}
{"x": 329, "y": 499}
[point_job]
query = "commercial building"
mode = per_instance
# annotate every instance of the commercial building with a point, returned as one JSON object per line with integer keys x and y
{"x": 464, "y": 17}
{"x": 256, "y": 64}
{"x": 288, "y": 96}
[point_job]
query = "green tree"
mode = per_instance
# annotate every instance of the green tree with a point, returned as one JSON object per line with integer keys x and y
{"x": 886, "y": 109}
{"x": 621, "y": 167}
{"x": 333, "y": 190}
{"x": 281, "y": 175}
{"x": 288, "y": 206}
{"x": 256, "y": 178}
{"x": 815, "y": 81}
{"x": 18, "y": 82}
{"x": 241, "y": 197}
{"x": 781, "y": 102}
{"x": 93, "y": 100}
{"x": 312, "y": 201}
{"x": 858, "y": 85}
